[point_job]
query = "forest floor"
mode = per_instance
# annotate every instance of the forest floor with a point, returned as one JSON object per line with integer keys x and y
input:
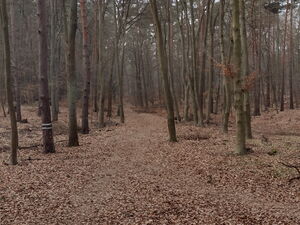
{"x": 131, "y": 174}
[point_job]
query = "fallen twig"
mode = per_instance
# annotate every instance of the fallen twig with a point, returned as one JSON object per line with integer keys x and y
{"x": 296, "y": 167}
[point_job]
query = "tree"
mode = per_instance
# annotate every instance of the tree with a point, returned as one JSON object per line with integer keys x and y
{"x": 238, "y": 91}
{"x": 87, "y": 68}
{"x": 48, "y": 144}
{"x": 245, "y": 68}
{"x": 211, "y": 66}
{"x": 53, "y": 66}
{"x": 102, "y": 8}
{"x": 70, "y": 27}
{"x": 8, "y": 82}
{"x": 164, "y": 70}
{"x": 17, "y": 94}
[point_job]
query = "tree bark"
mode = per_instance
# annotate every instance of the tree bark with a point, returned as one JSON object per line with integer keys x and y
{"x": 227, "y": 80}
{"x": 70, "y": 36}
{"x": 8, "y": 82}
{"x": 203, "y": 63}
{"x": 291, "y": 61}
{"x": 283, "y": 63}
{"x": 238, "y": 92}
{"x": 101, "y": 79}
{"x": 15, "y": 76}
{"x": 87, "y": 69}
{"x": 48, "y": 143}
{"x": 164, "y": 70}
{"x": 53, "y": 66}
{"x": 209, "y": 108}
{"x": 245, "y": 68}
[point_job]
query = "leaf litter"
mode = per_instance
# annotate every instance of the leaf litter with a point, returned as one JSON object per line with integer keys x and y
{"x": 133, "y": 175}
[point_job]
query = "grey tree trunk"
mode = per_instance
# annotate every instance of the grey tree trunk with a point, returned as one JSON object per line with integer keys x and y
{"x": 238, "y": 92}
{"x": 194, "y": 80}
{"x": 87, "y": 69}
{"x": 53, "y": 66}
{"x": 17, "y": 94}
{"x": 164, "y": 70}
{"x": 245, "y": 68}
{"x": 291, "y": 60}
{"x": 209, "y": 108}
{"x": 283, "y": 63}
{"x": 48, "y": 143}
{"x": 8, "y": 82}
{"x": 70, "y": 24}
{"x": 203, "y": 62}
{"x": 101, "y": 79}
{"x": 121, "y": 92}
{"x": 227, "y": 80}
{"x": 170, "y": 61}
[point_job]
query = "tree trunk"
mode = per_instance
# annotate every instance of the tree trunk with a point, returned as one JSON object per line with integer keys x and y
{"x": 70, "y": 36}
{"x": 209, "y": 108}
{"x": 203, "y": 64}
{"x": 283, "y": 63}
{"x": 227, "y": 80}
{"x": 194, "y": 80}
{"x": 110, "y": 88}
{"x": 121, "y": 92}
{"x": 245, "y": 68}
{"x": 291, "y": 61}
{"x": 8, "y": 82}
{"x": 101, "y": 79}
{"x": 53, "y": 52}
{"x": 87, "y": 69}
{"x": 170, "y": 60}
{"x": 238, "y": 92}
{"x": 164, "y": 70}
{"x": 48, "y": 143}
{"x": 14, "y": 54}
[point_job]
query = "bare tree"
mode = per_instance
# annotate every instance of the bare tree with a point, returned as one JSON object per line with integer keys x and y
{"x": 70, "y": 27}
{"x": 48, "y": 144}
{"x": 164, "y": 70}
{"x": 87, "y": 68}
{"x": 53, "y": 65}
{"x": 8, "y": 82}
{"x": 238, "y": 91}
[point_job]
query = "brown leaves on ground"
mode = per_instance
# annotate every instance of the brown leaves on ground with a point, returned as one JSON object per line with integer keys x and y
{"x": 132, "y": 175}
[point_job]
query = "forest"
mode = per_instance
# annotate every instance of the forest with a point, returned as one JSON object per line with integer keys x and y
{"x": 149, "y": 112}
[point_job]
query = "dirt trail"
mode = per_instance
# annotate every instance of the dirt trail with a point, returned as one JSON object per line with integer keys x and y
{"x": 130, "y": 174}
{"x": 141, "y": 183}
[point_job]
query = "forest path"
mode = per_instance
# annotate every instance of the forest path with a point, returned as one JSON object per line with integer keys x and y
{"x": 144, "y": 179}
{"x": 132, "y": 166}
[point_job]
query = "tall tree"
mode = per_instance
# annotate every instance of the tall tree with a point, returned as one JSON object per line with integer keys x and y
{"x": 102, "y": 9}
{"x": 282, "y": 93}
{"x": 70, "y": 27}
{"x": 291, "y": 58}
{"x": 227, "y": 79}
{"x": 87, "y": 68}
{"x": 245, "y": 68}
{"x": 48, "y": 144}
{"x": 8, "y": 82}
{"x": 209, "y": 108}
{"x": 164, "y": 70}
{"x": 53, "y": 65}
{"x": 238, "y": 91}
{"x": 15, "y": 75}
